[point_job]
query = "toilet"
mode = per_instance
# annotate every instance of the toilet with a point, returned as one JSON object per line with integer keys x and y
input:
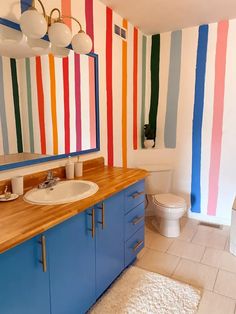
{"x": 167, "y": 207}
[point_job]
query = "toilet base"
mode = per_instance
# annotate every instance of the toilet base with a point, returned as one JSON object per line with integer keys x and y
{"x": 169, "y": 228}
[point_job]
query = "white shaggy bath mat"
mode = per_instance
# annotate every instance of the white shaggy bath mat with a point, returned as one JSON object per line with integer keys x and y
{"x": 141, "y": 291}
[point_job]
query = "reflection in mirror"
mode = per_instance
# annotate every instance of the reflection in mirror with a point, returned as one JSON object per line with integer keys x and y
{"x": 48, "y": 105}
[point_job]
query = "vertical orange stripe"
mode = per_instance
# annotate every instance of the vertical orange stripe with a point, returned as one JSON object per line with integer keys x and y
{"x": 135, "y": 91}
{"x": 66, "y": 10}
{"x": 53, "y": 103}
{"x": 40, "y": 104}
{"x": 124, "y": 98}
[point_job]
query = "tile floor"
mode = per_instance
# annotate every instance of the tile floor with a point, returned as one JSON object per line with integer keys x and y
{"x": 200, "y": 257}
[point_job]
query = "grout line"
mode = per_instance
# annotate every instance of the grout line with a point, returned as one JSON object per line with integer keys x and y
{"x": 213, "y": 289}
{"x": 203, "y": 255}
{"x": 172, "y": 273}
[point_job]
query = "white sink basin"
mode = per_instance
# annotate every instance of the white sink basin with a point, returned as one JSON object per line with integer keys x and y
{"x": 61, "y": 193}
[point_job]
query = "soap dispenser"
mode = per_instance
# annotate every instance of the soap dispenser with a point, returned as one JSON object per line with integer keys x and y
{"x": 70, "y": 169}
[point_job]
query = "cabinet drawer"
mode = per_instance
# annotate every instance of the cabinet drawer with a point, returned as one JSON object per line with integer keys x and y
{"x": 133, "y": 246}
{"x": 134, "y": 195}
{"x": 134, "y": 220}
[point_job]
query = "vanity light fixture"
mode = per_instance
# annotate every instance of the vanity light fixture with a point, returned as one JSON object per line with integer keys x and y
{"x": 35, "y": 25}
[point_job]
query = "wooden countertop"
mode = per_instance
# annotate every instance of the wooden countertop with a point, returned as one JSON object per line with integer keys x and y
{"x": 20, "y": 221}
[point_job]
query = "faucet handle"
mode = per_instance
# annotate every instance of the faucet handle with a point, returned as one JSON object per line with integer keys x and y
{"x": 50, "y": 175}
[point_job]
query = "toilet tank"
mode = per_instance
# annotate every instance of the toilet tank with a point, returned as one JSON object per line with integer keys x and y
{"x": 159, "y": 180}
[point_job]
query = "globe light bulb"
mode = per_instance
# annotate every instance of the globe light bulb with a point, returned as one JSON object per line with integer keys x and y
{"x": 33, "y": 24}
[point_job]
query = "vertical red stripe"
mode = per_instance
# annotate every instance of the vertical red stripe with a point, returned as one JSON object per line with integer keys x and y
{"x": 135, "y": 90}
{"x": 109, "y": 86}
{"x": 66, "y": 10}
{"x": 40, "y": 94}
{"x": 66, "y": 104}
{"x": 78, "y": 102}
{"x": 89, "y": 19}
{"x": 216, "y": 141}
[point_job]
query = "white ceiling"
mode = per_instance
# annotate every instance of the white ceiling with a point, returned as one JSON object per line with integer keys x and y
{"x": 157, "y": 16}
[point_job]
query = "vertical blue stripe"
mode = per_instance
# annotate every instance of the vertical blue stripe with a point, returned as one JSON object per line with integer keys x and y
{"x": 197, "y": 119}
{"x": 173, "y": 90}
{"x": 25, "y": 4}
{"x": 3, "y": 116}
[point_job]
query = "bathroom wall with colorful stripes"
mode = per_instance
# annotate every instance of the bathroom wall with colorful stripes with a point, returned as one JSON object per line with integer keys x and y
{"x": 196, "y": 114}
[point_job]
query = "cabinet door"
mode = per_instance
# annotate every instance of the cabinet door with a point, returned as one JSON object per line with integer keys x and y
{"x": 109, "y": 241}
{"x": 72, "y": 265}
{"x": 24, "y": 287}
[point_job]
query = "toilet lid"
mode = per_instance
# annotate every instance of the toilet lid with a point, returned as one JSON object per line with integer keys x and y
{"x": 169, "y": 200}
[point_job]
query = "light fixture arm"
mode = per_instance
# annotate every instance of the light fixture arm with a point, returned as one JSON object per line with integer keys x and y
{"x": 42, "y": 6}
{"x": 73, "y": 18}
{"x": 51, "y": 14}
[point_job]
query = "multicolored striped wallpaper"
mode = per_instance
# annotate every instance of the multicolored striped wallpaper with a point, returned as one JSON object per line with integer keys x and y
{"x": 47, "y": 104}
{"x": 197, "y": 103}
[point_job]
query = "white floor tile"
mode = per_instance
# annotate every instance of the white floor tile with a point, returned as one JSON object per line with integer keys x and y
{"x": 220, "y": 258}
{"x": 212, "y": 303}
{"x": 210, "y": 237}
{"x": 226, "y": 284}
{"x": 186, "y": 250}
{"x": 161, "y": 263}
{"x": 196, "y": 274}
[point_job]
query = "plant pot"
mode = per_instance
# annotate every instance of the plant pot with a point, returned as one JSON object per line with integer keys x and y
{"x": 148, "y": 144}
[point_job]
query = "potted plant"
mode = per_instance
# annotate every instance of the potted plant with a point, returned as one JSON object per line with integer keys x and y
{"x": 149, "y": 134}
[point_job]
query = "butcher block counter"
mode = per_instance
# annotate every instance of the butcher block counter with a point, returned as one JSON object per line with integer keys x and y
{"x": 20, "y": 221}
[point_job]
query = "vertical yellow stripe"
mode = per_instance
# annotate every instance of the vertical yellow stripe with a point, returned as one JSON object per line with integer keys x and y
{"x": 53, "y": 104}
{"x": 124, "y": 97}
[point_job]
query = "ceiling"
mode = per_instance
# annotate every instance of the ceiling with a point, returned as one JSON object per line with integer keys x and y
{"x": 158, "y": 16}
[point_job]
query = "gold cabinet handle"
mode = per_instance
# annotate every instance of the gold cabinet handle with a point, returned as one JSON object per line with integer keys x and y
{"x": 137, "y": 194}
{"x": 103, "y": 216}
{"x": 93, "y": 223}
{"x": 137, "y": 220}
{"x": 43, "y": 261}
{"x": 137, "y": 245}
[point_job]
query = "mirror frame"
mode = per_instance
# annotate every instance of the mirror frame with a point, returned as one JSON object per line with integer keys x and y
{"x": 9, "y": 166}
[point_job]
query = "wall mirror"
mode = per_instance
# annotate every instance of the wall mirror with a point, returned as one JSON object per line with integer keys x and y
{"x": 48, "y": 106}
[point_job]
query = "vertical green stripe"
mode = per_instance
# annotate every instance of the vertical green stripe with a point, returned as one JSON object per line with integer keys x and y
{"x": 29, "y": 99}
{"x": 155, "y": 64}
{"x": 173, "y": 90}
{"x": 16, "y": 106}
{"x": 144, "y": 63}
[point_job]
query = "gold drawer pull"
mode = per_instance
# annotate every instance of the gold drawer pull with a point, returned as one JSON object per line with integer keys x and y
{"x": 137, "y": 245}
{"x": 93, "y": 223}
{"x": 137, "y": 220}
{"x": 137, "y": 194}
{"x": 103, "y": 216}
{"x": 43, "y": 261}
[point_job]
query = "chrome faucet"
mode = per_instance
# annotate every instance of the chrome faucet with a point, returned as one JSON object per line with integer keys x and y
{"x": 49, "y": 182}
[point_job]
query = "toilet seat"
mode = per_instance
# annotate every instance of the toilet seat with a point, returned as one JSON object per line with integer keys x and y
{"x": 169, "y": 200}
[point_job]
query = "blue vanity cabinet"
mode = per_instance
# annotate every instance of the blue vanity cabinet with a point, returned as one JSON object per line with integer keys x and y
{"x": 109, "y": 241}
{"x": 24, "y": 287}
{"x": 71, "y": 251}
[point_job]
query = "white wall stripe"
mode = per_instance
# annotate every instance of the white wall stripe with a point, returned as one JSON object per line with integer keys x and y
{"x": 85, "y": 102}
{"x": 35, "y": 112}
{"x": 47, "y": 104}
{"x": 60, "y": 105}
